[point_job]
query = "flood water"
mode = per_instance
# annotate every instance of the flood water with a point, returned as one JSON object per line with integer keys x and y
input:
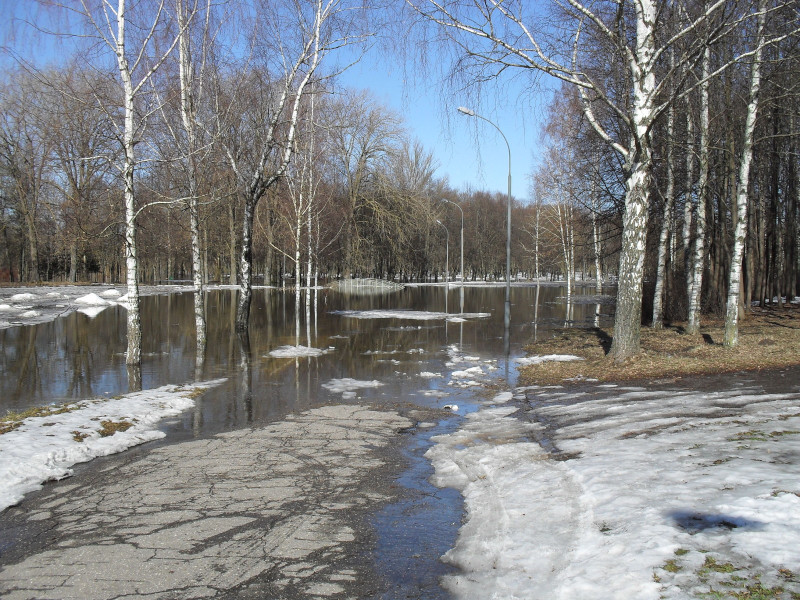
{"x": 76, "y": 357}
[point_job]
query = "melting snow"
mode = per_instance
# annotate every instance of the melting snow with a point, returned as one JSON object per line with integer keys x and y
{"x": 648, "y": 473}
{"x": 297, "y": 351}
{"x": 537, "y": 360}
{"x": 418, "y": 315}
{"x": 44, "y": 448}
{"x": 347, "y": 387}
{"x": 92, "y": 300}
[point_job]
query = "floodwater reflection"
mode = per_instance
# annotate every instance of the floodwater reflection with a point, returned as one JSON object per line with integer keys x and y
{"x": 76, "y": 357}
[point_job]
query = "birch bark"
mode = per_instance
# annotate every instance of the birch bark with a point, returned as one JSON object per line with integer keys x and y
{"x": 734, "y": 288}
{"x": 698, "y": 259}
{"x": 667, "y": 224}
{"x": 628, "y": 318}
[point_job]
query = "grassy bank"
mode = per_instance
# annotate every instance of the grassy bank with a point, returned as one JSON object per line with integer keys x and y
{"x": 768, "y": 338}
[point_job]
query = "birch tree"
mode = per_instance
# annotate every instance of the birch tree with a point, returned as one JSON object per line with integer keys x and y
{"x": 299, "y": 36}
{"x": 491, "y": 36}
{"x": 697, "y": 258}
{"x": 138, "y": 56}
{"x": 734, "y": 276}
{"x": 668, "y": 220}
{"x": 190, "y": 135}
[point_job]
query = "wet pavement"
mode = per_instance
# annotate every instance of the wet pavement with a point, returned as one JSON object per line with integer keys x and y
{"x": 272, "y": 512}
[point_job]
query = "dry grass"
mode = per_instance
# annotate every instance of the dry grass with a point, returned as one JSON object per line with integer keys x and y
{"x": 768, "y": 338}
{"x": 109, "y": 428}
{"x": 12, "y": 420}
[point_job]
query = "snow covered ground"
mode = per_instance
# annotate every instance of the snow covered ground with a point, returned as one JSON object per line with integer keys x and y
{"x": 622, "y": 492}
{"x": 43, "y": 448}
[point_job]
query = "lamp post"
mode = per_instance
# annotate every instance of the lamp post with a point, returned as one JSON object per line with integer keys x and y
{"x": 462, "y": 236}
{"x": 507, "y": 315}
{"x": 446, "y": 254}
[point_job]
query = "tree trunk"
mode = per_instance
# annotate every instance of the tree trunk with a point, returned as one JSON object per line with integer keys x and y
{"x": 666, "y": 225}
{"x": 732, "y": 314}
{"x": 628, "y": 318}
{"x": 245, "y": 266}
{"x": 134, "y": 356}
{"x": 698, "y": 261}
{"x": 233, "y": 265}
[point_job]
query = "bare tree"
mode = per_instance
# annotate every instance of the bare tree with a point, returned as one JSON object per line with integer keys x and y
{"x": 734, "y": 278}
{"x": 363, "y": 136}
{"x": 138, "y": 37}
{"x": 491, "y": 36}
{"x": 25, "y": 156}
{"x": 289, "y": 46}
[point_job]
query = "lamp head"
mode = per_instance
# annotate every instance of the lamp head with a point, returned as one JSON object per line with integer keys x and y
{"x": 466, "y": 111}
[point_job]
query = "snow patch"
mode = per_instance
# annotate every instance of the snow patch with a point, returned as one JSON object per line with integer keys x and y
{"x": 44, "y": 448}
{"x": 349, "y": 386}
{"x": 297, "y": 352}
{"x": 25, "y": 297}
{"x": 537, "y": 360}
{"x": 417, "y": 315}
{"x": 91, "y": 300}
{"x": 650, "y": 472}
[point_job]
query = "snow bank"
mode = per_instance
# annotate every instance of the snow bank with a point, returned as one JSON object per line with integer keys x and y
{"x": 23, "y": 297}
{"x": 648, "y": 473}
{"x": 44, "y": 448}
{"x": 92, "y": 300}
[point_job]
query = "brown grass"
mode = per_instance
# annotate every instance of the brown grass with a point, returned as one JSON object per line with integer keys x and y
{"x": 768, "y": 338}
{"x": 109, "y": 428}
{"x": 12, "y": 420}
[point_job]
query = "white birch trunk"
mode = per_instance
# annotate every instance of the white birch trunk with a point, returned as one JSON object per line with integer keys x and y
{"x": 598, "y": 271}
{"x": 698, "y": 261}
{"x": 188, "y": 119}
{"x": 688, "y": 206}
{"x": 134, "y": 324}
{"x": 734, "y": 288}
{"x": 598, "y": 282}
{"x": 666, "y": 226}
{"x": 628, "y": 317}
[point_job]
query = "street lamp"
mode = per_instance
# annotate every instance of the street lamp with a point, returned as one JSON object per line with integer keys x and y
{"x": 507, "y": 316}
{"x": 446, "y": 255}
{"x": 462, "y": 236}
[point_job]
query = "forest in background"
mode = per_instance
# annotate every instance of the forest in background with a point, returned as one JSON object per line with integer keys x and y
{"x": 256, "y": 165}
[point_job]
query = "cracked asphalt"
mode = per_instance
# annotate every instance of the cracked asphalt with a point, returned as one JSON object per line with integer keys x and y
{"x": 280, "y": 511}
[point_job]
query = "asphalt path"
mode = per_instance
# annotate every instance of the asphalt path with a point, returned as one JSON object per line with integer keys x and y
{"x": 280, "y": 511}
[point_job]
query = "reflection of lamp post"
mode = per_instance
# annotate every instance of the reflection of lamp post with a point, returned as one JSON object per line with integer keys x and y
{"x": 507, "y": 316}
{"x": 462, "y": 236}
{"x": 446, "y": 254}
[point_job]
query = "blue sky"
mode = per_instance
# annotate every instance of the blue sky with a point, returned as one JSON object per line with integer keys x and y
{"x": 469, "y": 152}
